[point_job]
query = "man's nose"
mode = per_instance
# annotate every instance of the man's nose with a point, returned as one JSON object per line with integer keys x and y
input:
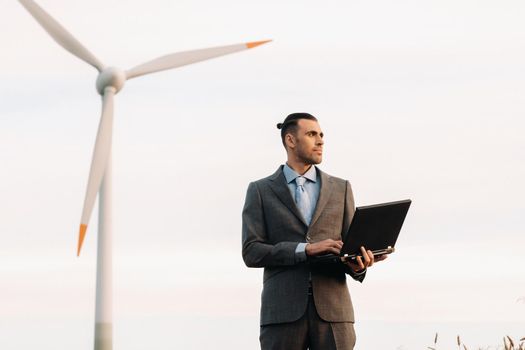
{"x": 319, "y": 141}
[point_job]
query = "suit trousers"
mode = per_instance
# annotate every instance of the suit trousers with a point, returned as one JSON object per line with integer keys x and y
{"x": 308, "y": 332}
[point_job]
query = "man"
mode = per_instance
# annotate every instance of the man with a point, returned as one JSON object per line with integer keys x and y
{"x": 296, "y": 213}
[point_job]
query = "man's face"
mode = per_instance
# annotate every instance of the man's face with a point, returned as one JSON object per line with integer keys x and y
{"x": 308, "y": 145}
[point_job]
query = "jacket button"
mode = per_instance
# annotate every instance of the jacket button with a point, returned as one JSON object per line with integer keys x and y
{"x": 308, "y": 239}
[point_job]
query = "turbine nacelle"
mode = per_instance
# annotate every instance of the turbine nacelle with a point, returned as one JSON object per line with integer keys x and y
{"x": 110, "y": 77}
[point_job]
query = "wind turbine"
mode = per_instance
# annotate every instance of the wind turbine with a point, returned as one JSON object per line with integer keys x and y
{"x": 109, "y": 82}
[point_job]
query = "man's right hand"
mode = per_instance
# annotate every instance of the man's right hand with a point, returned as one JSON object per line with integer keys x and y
{"x": 328, "y": 246}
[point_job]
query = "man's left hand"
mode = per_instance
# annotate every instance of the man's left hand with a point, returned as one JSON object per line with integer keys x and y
{"x": 367, "y": 260}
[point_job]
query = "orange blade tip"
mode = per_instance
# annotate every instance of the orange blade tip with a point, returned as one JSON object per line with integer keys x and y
{"x": 81, "y": 235}
{"x": 256, "y": 43}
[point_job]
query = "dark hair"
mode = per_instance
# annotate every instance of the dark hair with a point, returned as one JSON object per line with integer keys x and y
{"x": 290, "y": 124}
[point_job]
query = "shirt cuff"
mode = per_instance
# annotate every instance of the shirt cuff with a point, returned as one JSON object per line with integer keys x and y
{"x": 300, "y": 252}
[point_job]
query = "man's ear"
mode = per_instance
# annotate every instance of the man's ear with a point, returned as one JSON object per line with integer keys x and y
{"x": 290, "y": 141}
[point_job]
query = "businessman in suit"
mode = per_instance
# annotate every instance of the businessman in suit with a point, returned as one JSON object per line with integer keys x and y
{"x": 296, "y": 213}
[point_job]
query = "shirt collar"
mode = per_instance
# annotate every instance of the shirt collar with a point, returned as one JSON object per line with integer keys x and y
{"x": 290, "y": 174}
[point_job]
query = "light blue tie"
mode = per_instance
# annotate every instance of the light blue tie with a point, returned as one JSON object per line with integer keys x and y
{"x": 302, "y": 199}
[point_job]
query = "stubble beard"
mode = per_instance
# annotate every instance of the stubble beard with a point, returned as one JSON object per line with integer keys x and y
{"x": 308, "y": 159}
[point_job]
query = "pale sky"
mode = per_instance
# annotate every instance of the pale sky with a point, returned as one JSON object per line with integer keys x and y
{"x": 417, "y": 99}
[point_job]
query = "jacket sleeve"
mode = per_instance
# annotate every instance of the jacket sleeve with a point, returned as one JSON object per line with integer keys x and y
{"x": 348, "y": 215}
{"x": 256, "y": 250}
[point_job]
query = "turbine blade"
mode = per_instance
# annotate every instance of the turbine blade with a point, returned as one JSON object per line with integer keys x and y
{"x": 98, "y": 162}
{"x": 60, "y": 34}
{"x": 187, "y": 57}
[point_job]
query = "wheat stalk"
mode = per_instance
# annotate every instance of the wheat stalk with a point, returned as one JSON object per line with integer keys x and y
{"x": 510, "y": 342}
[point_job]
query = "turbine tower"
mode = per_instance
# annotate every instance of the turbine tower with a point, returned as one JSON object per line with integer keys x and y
{"x": 109, "y": 82}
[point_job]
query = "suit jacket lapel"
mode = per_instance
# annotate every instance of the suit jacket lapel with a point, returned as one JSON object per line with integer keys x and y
{"x": 324, "y": 195}
{"x": 281, "y": 190}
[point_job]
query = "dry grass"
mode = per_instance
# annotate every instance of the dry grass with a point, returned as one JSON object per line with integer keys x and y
{"x": 508, "y": 344}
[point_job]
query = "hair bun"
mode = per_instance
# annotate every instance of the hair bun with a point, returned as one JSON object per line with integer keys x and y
{"x": 279, "y": 125}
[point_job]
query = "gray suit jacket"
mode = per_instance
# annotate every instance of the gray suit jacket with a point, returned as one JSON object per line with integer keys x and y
{"x": 271, "y": 228}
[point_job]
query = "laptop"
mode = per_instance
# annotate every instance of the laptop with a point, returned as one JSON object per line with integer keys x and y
{"x": 376, "y": 227}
